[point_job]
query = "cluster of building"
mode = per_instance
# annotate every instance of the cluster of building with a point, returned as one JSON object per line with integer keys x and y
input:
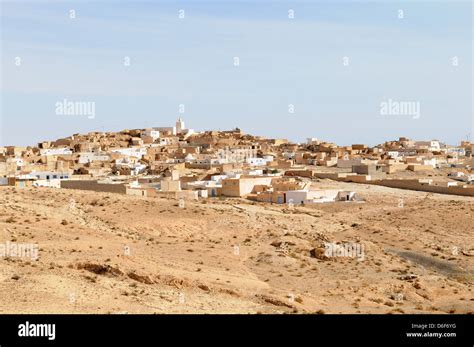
{"x": 182, "y": 163}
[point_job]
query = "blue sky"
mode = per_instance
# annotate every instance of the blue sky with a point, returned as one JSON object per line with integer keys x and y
{"x": 283, "y": 61}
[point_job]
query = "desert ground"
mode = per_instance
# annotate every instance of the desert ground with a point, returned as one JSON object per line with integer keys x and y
{"x": 111, "y": 253}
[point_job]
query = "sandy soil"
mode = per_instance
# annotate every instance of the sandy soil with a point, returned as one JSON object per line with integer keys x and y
{"x": 108, "y": 253}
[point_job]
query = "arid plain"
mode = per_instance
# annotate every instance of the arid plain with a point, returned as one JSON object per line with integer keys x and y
{"x": 112, "y": 253}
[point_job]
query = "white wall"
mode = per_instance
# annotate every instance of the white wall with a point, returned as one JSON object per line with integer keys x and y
{"x": 296, "y": 196}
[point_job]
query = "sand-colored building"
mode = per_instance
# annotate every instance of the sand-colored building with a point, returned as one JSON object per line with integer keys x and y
{"x": 239, "y": 187}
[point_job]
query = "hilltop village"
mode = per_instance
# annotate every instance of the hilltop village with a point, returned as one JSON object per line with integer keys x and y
{"x": 181, "y": 163}
{"x": 172, "y": 220}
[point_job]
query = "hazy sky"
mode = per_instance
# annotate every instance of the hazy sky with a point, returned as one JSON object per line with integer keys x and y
{"x": 283, "y": 61}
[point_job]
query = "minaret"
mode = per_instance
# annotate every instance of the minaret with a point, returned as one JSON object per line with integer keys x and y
{"x": 179, "y": 125}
